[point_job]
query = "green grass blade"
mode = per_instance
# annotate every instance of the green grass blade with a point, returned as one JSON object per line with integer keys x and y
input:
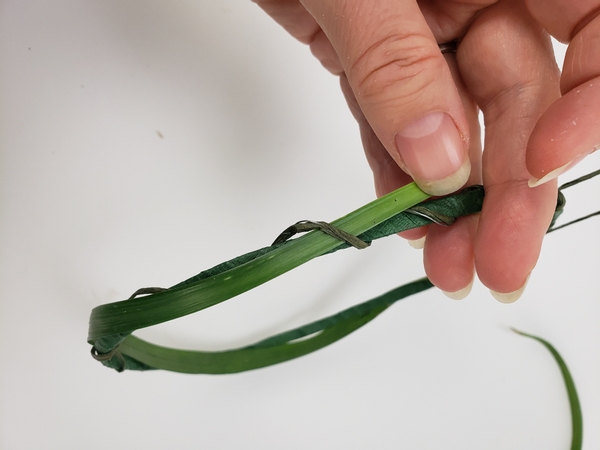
{"x": 234, "y": 361}
{"x": 576, "y": 416}
{"x": 137, "y": 354}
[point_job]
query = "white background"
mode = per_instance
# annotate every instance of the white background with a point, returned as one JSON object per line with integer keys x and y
{"x": 144, "y": 141}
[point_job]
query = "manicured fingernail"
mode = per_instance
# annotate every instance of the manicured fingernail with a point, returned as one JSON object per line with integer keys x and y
{"x": 461, "y": 293}
{"x": 535, "y": 182}
{"x": 417, "y": 243}
{"x": 434, "y": 154}
{"x": 510, "y": 297}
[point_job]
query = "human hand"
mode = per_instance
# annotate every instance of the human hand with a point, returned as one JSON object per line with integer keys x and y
{"x": 417, "y": 112}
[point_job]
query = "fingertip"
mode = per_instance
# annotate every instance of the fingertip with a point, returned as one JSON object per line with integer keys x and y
{"x": 461, "y": 293}
{"x": 448, "y": 256}
{"x": 535, "y": 182}
{"x": 553, "y": 174}
{"x": 434, "y": 153}
{"x": 514, "y": 221}
{"x": 417, "y": 244}
{"x": 565, "y": 133}
{"x": 510, "y": 297}
{"x": 449, "y": 184}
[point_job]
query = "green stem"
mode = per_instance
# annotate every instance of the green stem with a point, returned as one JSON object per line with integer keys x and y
{"x": 576, "y": 415}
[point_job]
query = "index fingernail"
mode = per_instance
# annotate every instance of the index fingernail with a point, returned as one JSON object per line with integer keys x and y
{"x": 535, "y": 182}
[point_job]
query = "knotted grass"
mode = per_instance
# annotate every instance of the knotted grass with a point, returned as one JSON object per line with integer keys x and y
{"x": 111, "y": 325}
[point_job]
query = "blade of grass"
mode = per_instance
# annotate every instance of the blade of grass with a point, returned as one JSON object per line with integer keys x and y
{"x": 576, "y": 416}
{"x": 136, "y": 354}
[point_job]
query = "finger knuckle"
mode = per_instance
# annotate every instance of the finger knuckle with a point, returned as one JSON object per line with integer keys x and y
{"x": 406, "y": 63}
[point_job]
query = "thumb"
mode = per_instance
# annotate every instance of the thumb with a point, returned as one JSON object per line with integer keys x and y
{"x": 403, "y": 86}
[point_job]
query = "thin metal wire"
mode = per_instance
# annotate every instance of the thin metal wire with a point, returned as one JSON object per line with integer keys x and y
{"x": 579, "y": 180}
{"x": 597, "y": 213}
{"x": 568, "y": 185}
{"x": 435, "y": 217}
{"x": 327, "y": 228}
{"x": 448, "y": 47}
{"x": 146, "y": 291}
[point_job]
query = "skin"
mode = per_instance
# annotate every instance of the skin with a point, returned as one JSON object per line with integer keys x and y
{"x": 536, "y": 119}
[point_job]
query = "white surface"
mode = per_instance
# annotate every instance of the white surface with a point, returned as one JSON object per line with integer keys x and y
{"x": 255, "y": 135}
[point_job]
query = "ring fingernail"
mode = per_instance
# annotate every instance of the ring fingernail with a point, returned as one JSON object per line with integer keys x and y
{"x": 417, "y": 243}
{"x": 461, "y": 293}
{"x": 509, "y": 297}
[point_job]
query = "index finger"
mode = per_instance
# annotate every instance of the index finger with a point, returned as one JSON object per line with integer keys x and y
{"x": 568, "y": 131}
